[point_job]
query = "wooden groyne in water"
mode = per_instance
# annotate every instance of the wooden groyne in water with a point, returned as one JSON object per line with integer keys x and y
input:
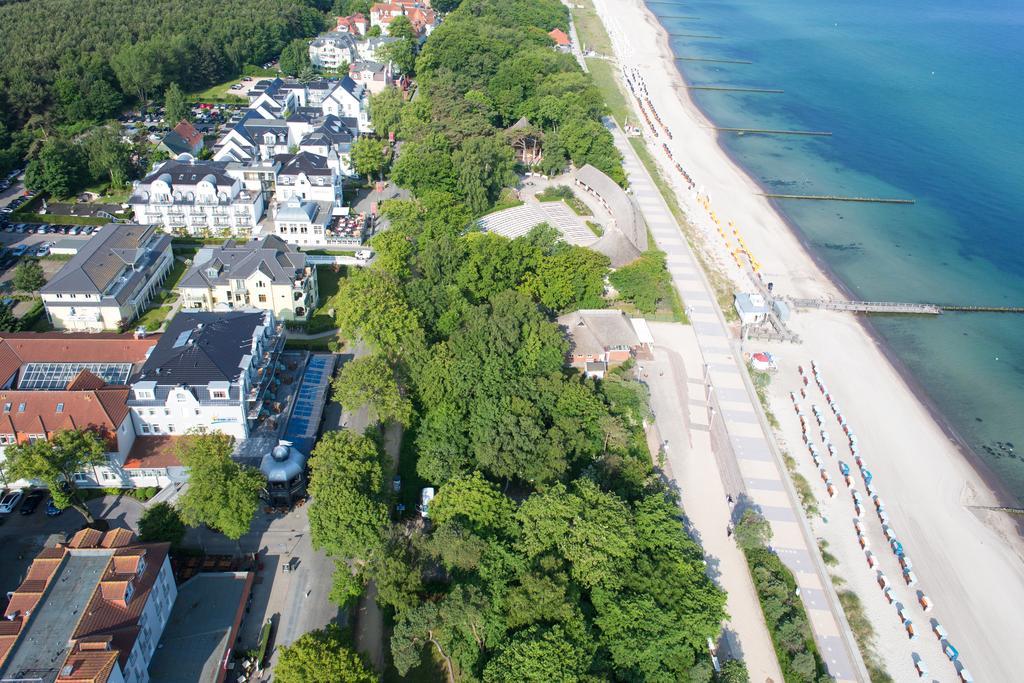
{"x": 766, "y": 131}
{"x": 694, "y": 35}
{"x": 729, "y": 88}
{"x": 982, "y": 309}
{"x": 837, "y": 198}
{"x": 715, "y": 61}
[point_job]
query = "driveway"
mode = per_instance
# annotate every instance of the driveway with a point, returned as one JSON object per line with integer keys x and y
{"x": 23, "y": 536}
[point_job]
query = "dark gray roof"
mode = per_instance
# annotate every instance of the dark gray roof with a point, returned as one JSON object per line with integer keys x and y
{"x": 331, "y": 130}
{"x": 114, "y": 262}
{"x": 175, "y": 143}
{"x": 199, "y": 348}
{"x": 191, "y": 172}
{"x": 275, "y": 258}
{"x": 303, "y": 162}
{"x": 339, "y": 40}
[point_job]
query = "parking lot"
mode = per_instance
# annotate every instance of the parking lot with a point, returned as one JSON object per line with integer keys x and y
{"x": 23, "y": 536}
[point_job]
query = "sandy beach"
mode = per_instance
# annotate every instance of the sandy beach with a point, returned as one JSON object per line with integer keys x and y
{"x": 968, "y": 560}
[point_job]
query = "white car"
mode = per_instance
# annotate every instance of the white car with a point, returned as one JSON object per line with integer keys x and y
{"x": 426, "y": 496}
{"x": 364, "y": 254}
{"x": 9, "y": 502}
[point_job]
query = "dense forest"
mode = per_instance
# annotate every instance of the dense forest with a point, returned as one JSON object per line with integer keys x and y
{"x": 74, "y": 61}
{"x": 555, "y": 551}
{"x": 488, "y": 65}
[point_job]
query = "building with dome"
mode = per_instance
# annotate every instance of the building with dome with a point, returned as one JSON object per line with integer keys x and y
{"x": 196, "y": 197}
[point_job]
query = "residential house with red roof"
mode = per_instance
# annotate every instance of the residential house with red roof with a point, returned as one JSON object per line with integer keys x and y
{"x": 422, "y": 18}
{"x": 357, "y": 24}
{"x": 182, "y": 139}
{"x": 561, "y": 38}
{"x": 91, "y": 610}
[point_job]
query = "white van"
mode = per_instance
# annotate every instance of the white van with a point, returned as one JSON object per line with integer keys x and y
{"x": 364, "y": 254}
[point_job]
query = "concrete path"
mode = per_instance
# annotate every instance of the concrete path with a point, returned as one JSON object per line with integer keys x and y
{"x": 681, "y": 418}
{"x": 767, "y": 487}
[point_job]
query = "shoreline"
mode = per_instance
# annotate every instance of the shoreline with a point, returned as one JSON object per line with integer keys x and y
{"x": 1003, "y": 495}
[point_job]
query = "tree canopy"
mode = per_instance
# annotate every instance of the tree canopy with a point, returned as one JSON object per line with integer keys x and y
{"x": 222, "y": 493}
{"x": 322, "y": 656}
{"x": 55, "y": 462}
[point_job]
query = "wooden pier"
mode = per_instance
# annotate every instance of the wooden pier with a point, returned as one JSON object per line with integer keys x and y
{"x": 867, "y": 306}
{"x": 729, "y": 88}
{"x": 836, "y": 198}
{"x": 714, "y": 61}
{"x": 898, "y": 307}
{"x": 765, "y": 131}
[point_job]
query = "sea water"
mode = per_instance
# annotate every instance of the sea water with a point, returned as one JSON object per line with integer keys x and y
{"x": 925, "y": 101}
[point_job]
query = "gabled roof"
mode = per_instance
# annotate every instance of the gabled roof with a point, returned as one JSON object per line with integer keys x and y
{"x": 595, "y": 331}
{"x": 188, "y": 133}
{"x": 271, "y": 255}
{"x": 190, "y": 172}
{"x": 202, "y": 347}
{"x": 104, "y": 258}
{"x": 559, "y": 36}
{"x": 46, "y": 412}
{"x": 304, "y": 162}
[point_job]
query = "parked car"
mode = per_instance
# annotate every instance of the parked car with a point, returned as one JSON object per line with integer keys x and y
{"x": 51, "y": 508}
{"x": 426, "y": 496}
{"x": 74, "y": 231}
{"x": 32, "y": 501}
{"x": 43, "y": 250}
{"x": 20, "y": 250}
{"x": 9, "y": 502}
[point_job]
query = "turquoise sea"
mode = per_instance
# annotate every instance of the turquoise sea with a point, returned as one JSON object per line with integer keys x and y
{"x": 925, "y": 100}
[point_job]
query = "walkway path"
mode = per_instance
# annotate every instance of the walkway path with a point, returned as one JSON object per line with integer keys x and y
{"x": 767, "y": 487}
{"x": 675, "y": 379}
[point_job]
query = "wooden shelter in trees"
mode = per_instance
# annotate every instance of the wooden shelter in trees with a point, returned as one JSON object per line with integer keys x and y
{"x": 527, "y": 140}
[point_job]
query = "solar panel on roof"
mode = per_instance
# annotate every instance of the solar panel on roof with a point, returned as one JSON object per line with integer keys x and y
{"x": 43, "y": 376}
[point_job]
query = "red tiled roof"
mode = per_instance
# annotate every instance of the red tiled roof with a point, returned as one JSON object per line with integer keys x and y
{"x": 117, "y": 538}
{"x": 153, "y": 451}
{"x": 84, "y": 381}
{"x": 101, "y": 409}
{"x": 86, "y": 538}
{"x": 18, "y": 348}
{"x": 559, "y": 36}
{"x": 87, "y": 665}
{"x": 188, "y": 133}
{"x": 108, "y": 614}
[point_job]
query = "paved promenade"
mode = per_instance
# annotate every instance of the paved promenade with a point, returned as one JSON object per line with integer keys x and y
{"x": 765, "y": 485}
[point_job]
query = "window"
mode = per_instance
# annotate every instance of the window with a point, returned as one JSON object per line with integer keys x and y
{"x": 217, "y": 393}
{"x": 32, "y": 438}
{"x": 7, "y": 439}
{"x": 129, "y": 591}
{"x": 156, "y": 429}
{"x": 145, "y": 429}
{"x": 170, "y": 429}
{"x": 7, "y": 407}
{"x": 21, "y": 407}
{"x": 60, "y": 407}
{"x": 263, "y": 298}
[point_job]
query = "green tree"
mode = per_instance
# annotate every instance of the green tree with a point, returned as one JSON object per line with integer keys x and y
{"x": 56, "y": 462}
{"x": 394, "y": 251}
{"x": 176, "y": 106}
{"x": 734, "y": 671}
{"x": 370, "y": 156}
{"x": 294, "y": 57}
{"x": 571, "y": 278}
{"x": 28, "y": 276}
{"x": 401, "y": 53}
{"x": 107, "y": 156}
{"x": 373, "y": 308}
{"x": 540, "y": 654}
{"x": 426, "y": 165}
{"x": 753, "y": 531}
{"x": 8, "y": 321}
{"x": 386, "y": 111}
{"x": 373, "y": 32}
{"x": 370, "y": 381}
{"x": 322, "y": 656}
{"x": 221, "y": 493}
{"x": 347, "y": 517}
{"x": 645, "y": 283}
{"x": 57, "y": 170}
{"x": 161, "y": 523}
{"x": 484, "y": 166}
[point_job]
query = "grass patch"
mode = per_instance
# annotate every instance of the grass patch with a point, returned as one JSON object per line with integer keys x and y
{"x": 153, "y": 318}
{"x": 220, "y": 93}
{"x": 329, "y": 252}
{"x": 603, "y": 74}
{"x": 864, "y": 634}
{"x": 595, "y": 228}
{"x": 762, "y": 380}
{"x": 808, "y": 501}
{"x": 197, "y": 241}
{"x": 564, "y": 193}
{"x": 323, "y": 345}
{"x": 58, "y": 219}
{"x": 589, "y": 28}
{"x": 827, "y": 557}
{"x": 175, "y": 274}
{"x": 55, "y": 257}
